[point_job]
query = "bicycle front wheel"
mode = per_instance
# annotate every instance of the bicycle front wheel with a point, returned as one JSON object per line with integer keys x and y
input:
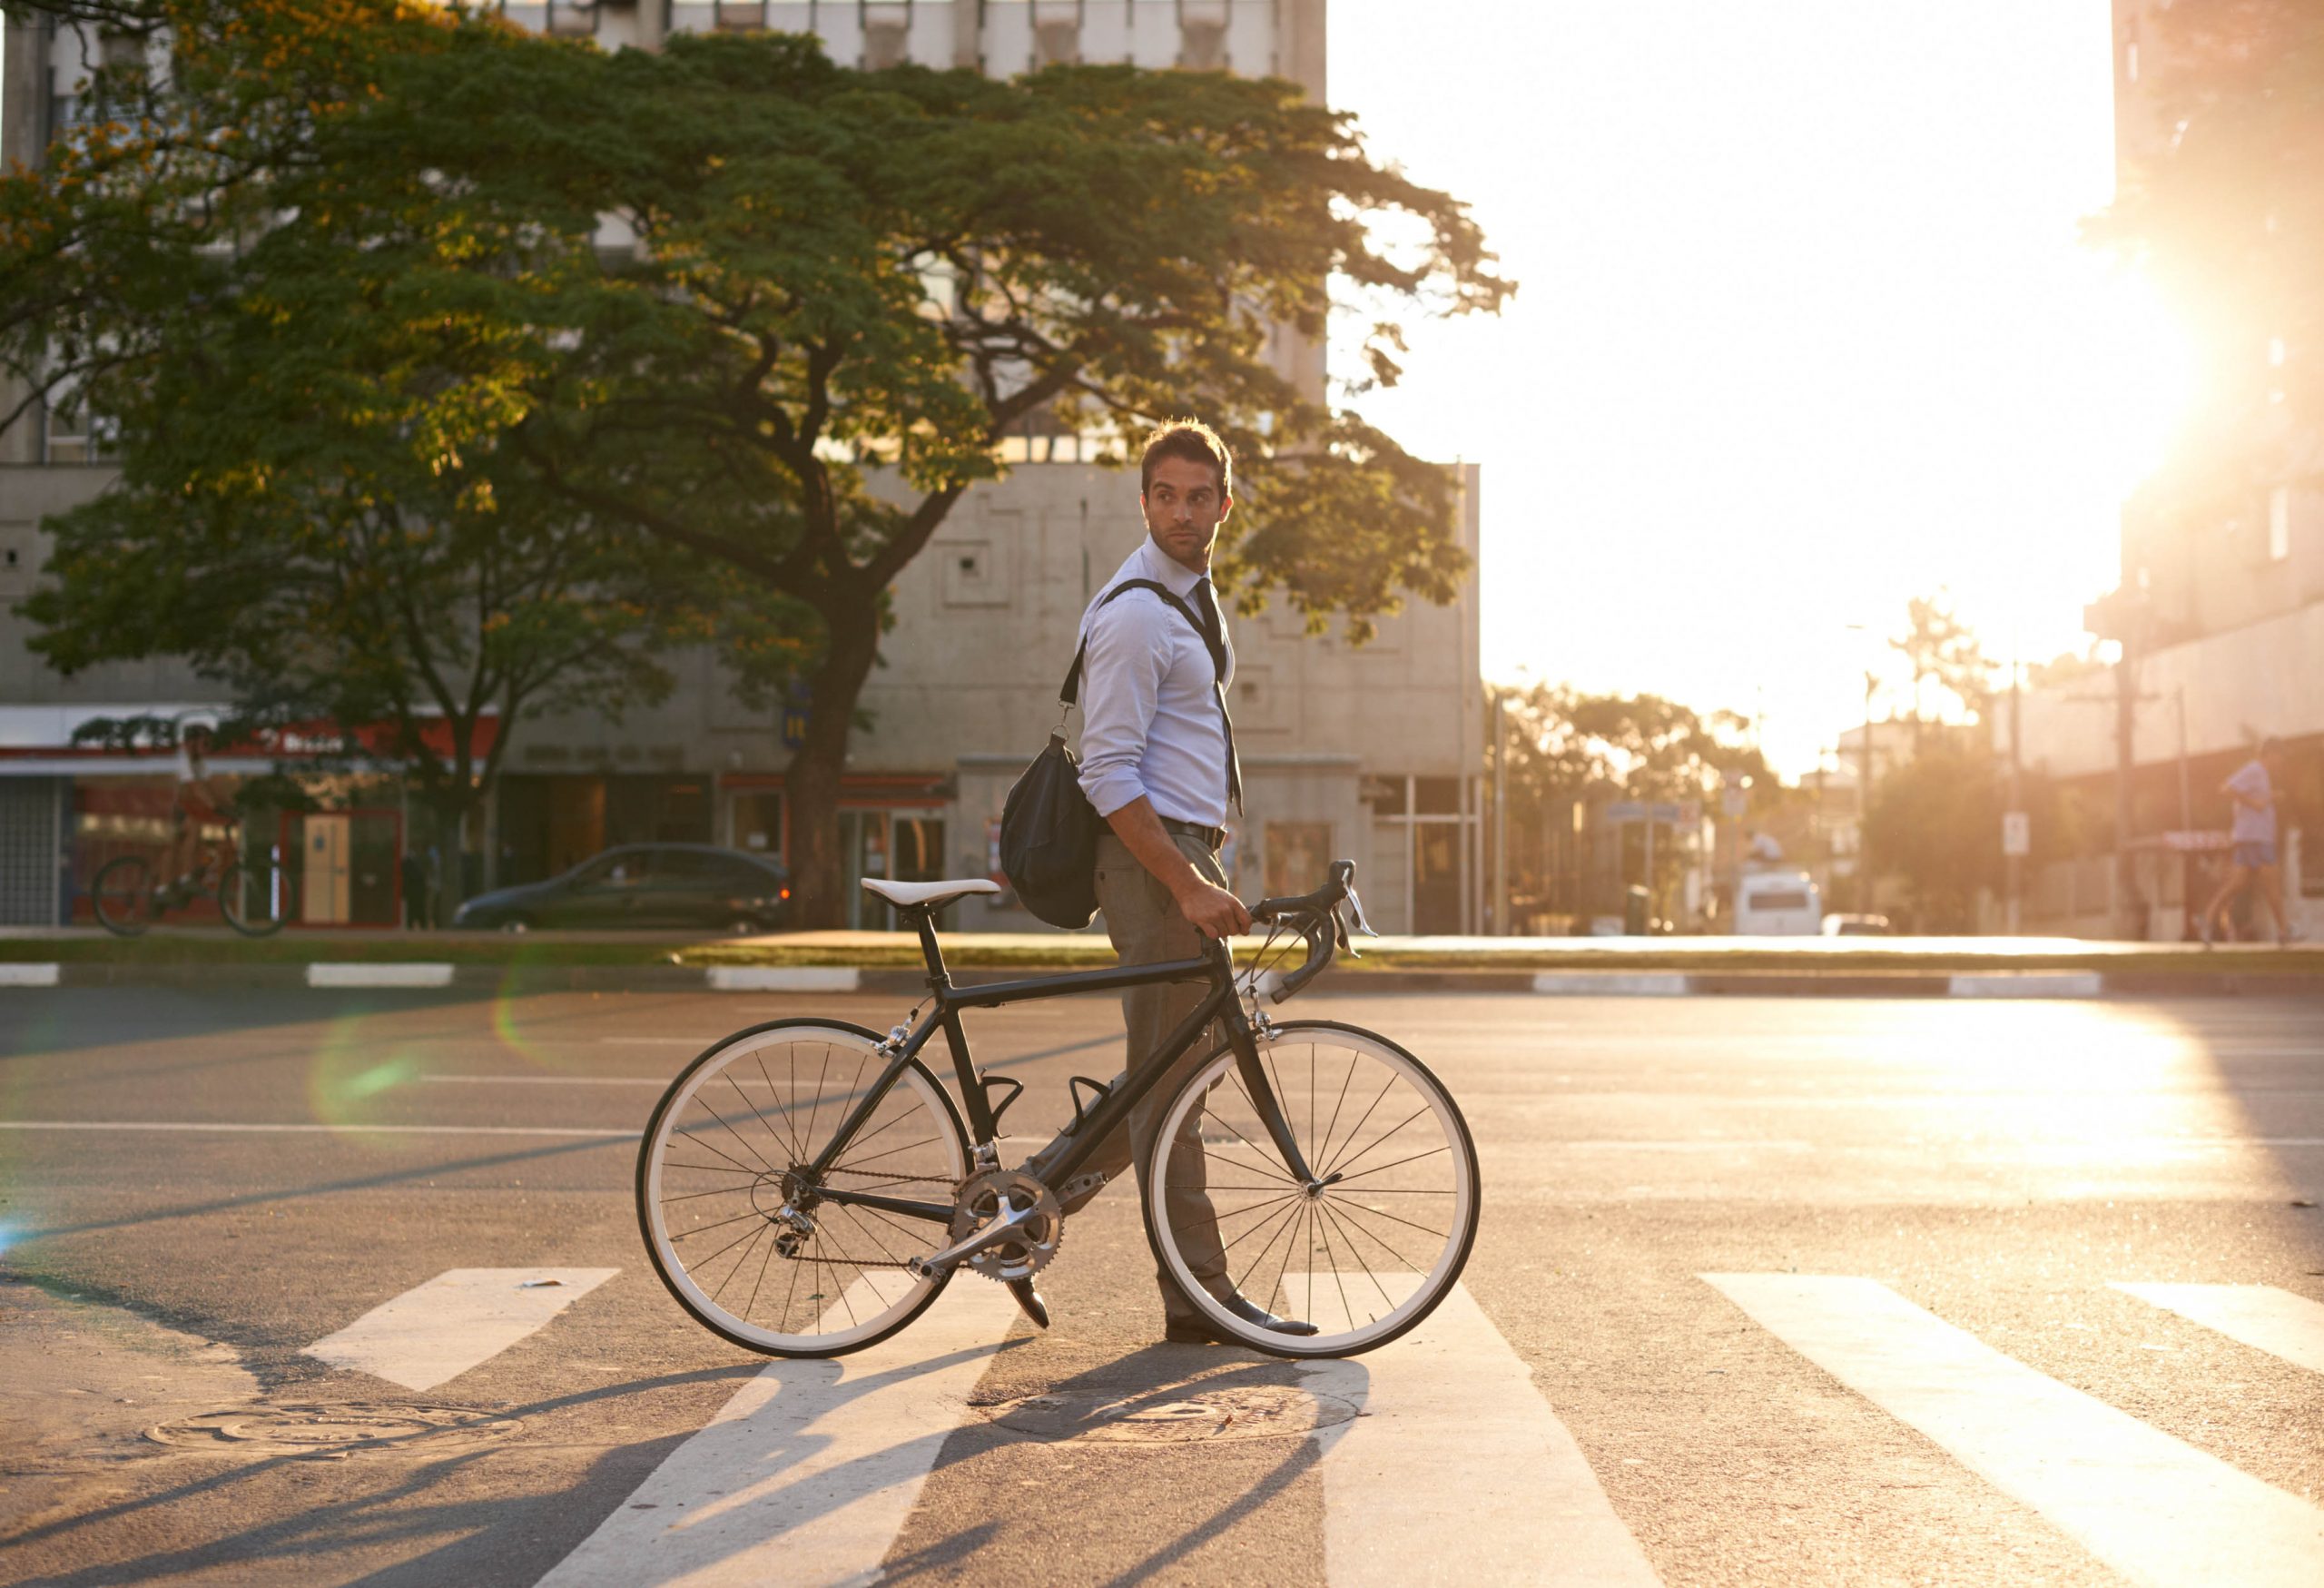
{"x": 1364, "y": 1257}
{"x": 732, "y": 1217}
{"x": 121, "y": 896}
{"x": 255, "y": 900}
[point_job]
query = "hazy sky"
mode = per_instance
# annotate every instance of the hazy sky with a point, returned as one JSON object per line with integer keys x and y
{"x": 1805, "y": 329}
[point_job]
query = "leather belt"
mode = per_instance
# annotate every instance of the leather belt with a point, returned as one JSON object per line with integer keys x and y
{"x": 1214, "y": 836}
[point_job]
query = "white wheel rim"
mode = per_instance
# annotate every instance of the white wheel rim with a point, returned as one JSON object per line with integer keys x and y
{"x": 909, "y": 1294}
{"x": 1431, "y": 1285}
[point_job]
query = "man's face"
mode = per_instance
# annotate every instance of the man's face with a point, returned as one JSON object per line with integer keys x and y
{"x": 1184, "y": 509}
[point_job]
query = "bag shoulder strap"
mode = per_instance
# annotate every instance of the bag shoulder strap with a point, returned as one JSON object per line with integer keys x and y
{"x": 1069, "y": 692}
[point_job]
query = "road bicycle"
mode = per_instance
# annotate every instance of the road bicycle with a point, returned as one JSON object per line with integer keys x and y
{"x": 807, "y": 1188}
{"x": 254, "y": 899}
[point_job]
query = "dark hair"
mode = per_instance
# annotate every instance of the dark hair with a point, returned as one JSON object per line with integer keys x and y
{"x": 1193, "y": 440}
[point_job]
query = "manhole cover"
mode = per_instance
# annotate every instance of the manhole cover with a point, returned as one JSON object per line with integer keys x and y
{"x": 1172, "y": 1417}
{"x": 346, "y": 1428}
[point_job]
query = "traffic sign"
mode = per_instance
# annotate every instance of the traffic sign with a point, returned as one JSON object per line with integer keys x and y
{"x": 2017, "y": 833}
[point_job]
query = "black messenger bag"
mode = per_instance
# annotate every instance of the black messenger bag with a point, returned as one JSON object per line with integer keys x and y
{"x": 1049, "y": 828}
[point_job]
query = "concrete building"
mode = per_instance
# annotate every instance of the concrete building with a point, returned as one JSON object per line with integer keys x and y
{"x": 2219, "y": 618}
{"x": 1371, "y": 754}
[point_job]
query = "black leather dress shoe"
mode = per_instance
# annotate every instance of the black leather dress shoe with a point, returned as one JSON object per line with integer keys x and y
{"x": 1190, "y": 1331}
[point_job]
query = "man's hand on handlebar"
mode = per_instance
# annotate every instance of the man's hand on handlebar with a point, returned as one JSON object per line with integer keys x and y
{"x": 1215, "y": 912}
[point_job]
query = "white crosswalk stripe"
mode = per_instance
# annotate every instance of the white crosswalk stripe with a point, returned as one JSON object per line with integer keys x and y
{"x": 1458, "y": 1472}
{"x": 807, "y": 1475}
{"x": 2154, "y": 1508}
{"x": 460, "y": 1319}
{"x": 2258, "y": 1316}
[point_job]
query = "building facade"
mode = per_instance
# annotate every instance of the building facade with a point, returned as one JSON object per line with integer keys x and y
{"x": 1369, "y": 754}
{"x": 2219, "y": 618}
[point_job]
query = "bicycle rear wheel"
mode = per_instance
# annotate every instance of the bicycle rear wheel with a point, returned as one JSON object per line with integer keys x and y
{"x": 1366, "y": 1256}
{"x": 256, "y": 900}
{"x": 725, "y": 1154}
{"x": 121, "y": 896}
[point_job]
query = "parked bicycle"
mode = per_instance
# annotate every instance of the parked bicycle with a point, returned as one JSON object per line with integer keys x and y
{"x": 806, "y": 1187}
{"x": 255, "y": 900}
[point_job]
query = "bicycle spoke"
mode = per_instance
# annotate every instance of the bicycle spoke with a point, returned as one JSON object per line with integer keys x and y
{"x": 790, "y": 1126}
{"x": 1383, "y": 1213}
{"x": 1358, "y": 1258}
{"x": 737, "y": 1268}
{"x": 1324, "y": 1149}
{"x": 1408, "y": 1118}
{"x": 1347, "y": 1214}
{"x": 737, "y": 1135}
{"x": 706, "y": 1146}
{"x": 1385, "y": 1168}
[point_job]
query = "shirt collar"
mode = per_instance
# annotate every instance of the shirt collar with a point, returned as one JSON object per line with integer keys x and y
{"x": 1170, "y": 573}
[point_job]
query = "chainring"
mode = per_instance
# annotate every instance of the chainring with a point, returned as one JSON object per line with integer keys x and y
{"x": 1024, "y": 1253}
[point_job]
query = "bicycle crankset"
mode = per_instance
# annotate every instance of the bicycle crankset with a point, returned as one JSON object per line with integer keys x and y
{"x": 1027, "y": 1248}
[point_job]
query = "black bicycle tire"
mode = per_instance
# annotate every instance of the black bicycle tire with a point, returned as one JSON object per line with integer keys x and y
{"x": 143, "y": 894}
{"x": 645, "y": 1156}
{"x": 1286, "y": 1348}
{"x": 226, "y": 882}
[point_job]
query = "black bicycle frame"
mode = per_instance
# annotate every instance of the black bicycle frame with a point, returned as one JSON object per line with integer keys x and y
{"x": 1216, "y": 965}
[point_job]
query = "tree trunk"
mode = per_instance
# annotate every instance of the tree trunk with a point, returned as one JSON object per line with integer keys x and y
{"x": 811, "y": 786}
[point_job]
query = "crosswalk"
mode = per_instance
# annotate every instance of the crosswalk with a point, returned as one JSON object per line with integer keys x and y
{"x": 810, "y": 1472}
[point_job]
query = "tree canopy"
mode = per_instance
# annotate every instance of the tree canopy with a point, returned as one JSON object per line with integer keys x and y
{"x": 767, "y": 315}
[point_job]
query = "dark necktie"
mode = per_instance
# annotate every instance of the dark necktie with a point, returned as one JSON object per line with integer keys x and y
{"x": 1214, "y": 628}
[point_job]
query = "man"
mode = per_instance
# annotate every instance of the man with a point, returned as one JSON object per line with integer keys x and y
{"x": 1158, "y": 764}
{"x": 2253, "y": 790}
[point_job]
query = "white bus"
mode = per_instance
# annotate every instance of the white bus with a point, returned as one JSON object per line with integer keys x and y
{"x": 1777, "y": 904}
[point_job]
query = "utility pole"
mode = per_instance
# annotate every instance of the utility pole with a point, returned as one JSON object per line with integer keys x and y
{"x": 2016, "y": 785}
{"x": 2126, "y": 723}
{"x": 1864, "y": 804}
{"x": 1500, "y": 814}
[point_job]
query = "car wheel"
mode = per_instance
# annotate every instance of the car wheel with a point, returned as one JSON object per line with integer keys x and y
{"x": 515, "y": 924}
{"x": 743, "y": 926}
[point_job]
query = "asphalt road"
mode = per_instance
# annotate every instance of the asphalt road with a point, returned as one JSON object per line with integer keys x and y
{"x": 1767, "y": 1291}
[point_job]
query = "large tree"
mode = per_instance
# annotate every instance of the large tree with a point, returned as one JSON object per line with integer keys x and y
{"x": 779, "y": 316}
{"x": 285, "y": 518}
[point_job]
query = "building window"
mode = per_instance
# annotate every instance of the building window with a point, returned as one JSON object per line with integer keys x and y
{"x": 69, "y": 434}
{"x": 1297, "y": 853}
{"x": 1202, "y": 47}
{"x": 1056, "y": 33}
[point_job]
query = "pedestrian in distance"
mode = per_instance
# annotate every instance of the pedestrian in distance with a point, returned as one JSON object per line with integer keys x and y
{"x": 1158, "y": 765}
{"x": 2253, "y": 836}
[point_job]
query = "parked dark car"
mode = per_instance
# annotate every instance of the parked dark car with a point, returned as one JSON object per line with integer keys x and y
{"x": 642, "y": 886}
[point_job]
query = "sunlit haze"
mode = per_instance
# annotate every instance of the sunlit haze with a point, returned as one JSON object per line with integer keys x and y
{"x": 1805, "y": 330}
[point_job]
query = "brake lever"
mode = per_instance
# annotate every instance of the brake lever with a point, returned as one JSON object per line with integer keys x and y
{"x": 1355, "y": 908}
{"x": 1341, "y": 934}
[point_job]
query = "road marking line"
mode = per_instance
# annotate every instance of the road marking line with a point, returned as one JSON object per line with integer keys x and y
{"x": 2027, "y": 984}
{"x": 1613, "y": 983}
{"x": 1458, "y": 1471}
{"x": 355, "y": 973}
{"x": 2261, "y": 1316}
{"x": 460, "y": 1319}
{"x": 783, "y": 978}
{"x": 233, "y": 1126}
{"x": 29, "y": 975}
{"x": 809, "y": 1473}
{"x": 2156, "y": 1509}
{"x": 1737, "y": 1144}
{"x": 546, "y": 1079}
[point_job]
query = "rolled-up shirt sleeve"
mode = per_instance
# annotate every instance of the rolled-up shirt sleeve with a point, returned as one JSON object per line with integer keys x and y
{"x": 1121, "y": 680}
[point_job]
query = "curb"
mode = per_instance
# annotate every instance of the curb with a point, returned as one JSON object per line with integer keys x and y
{"x": 510, "y": 980}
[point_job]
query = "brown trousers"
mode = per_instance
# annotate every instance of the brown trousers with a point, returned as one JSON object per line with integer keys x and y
{"x": 1144, "y": 922}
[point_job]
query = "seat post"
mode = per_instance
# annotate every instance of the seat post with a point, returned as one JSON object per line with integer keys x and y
{"x": 924, "y": 919}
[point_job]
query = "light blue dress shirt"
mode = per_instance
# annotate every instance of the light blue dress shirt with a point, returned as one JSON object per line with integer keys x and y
{"x": 1149, "y": 722}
